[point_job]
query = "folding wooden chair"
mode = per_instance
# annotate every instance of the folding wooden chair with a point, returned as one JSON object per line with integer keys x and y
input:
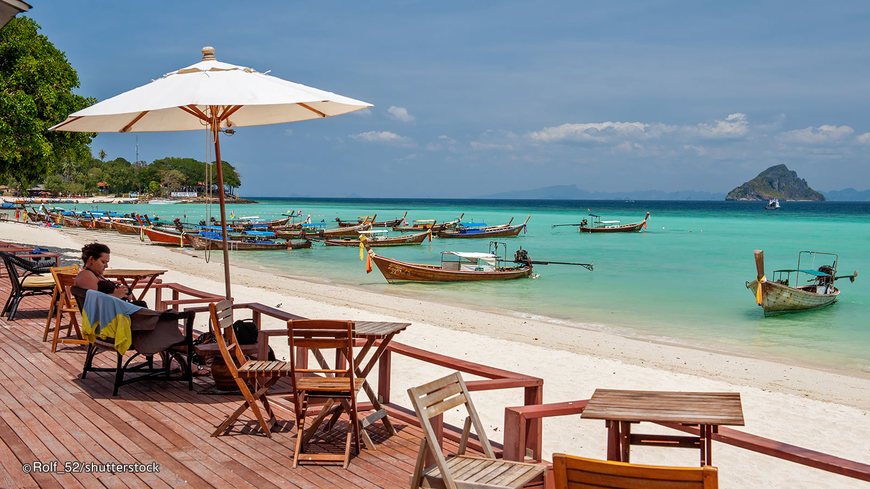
{"x": 64, "y": 278}
{"x": 461, "y": 471}
{"x": 332, "y": 384}
{"x": 581, "y": 473}
{"x": 261, "y": 373}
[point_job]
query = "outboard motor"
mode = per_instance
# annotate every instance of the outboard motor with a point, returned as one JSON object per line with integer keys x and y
{"x": 522, "y": 256}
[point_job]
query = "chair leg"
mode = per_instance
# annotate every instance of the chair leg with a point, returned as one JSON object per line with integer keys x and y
{"x": 250, "y": 402}
{"x": 89, "y": 359}
{"x": 13, "y": 308}
{"x": 55, "y": 339}
{"x": 52, "y": 308}
{"x": 417, "y": 476}
{"x": 119, "y": 374}
{"x": 8, "y": 302}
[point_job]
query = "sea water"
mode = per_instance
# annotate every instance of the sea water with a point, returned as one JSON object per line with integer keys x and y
{"x": 681, "y": 280}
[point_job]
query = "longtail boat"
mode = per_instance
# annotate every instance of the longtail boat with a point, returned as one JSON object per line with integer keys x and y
{"x": 599, "y": 226}
{"x": 455, "y": 267}
{"x": 374, "y": 238}
{"x": 785, "y": 293}
{"x": 375, "y": 224}
{"x": 416, "y": 225}
{"x": 200, "y": 242}
{"x": 346, "y": 231}
{"x": 483, "y": 231}
{"x": 125, "y": 228}
{"x": 167, "y": 237}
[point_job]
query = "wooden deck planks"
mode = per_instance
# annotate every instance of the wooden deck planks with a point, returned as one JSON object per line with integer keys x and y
{"x": 48, "y": 413}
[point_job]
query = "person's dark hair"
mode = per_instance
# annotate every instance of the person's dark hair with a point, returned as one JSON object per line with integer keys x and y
{"x": 93, "y": 250}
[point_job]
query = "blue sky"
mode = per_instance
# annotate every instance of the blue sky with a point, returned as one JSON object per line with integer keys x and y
{"x": 473, "y": 98}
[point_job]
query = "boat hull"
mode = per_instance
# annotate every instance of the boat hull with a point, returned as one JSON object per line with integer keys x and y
{"x": 397, "y": 271}
{"x": 506, "y": 232}
{"x": 780, "y": 299}
{"x": 125, "y": 228}
{"x": 166, "y": 238}
{"x": 412, "y": 239}
{"x": 202, "y": 243}
{"x": 626, "y": 228}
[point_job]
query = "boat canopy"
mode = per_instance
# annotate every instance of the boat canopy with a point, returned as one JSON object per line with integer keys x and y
{"x": 473, "y": 224}
{"x": 375, "y": 231}
{"x": 265, "y": 234}
{"x": 815, "y": 273}
{"x": 313, "y": 224}
{"x": 609, "y": 222}
{"x": 480, "y": 262}
{"x": 209, "y": 227}
{"x": 424, "y": 220}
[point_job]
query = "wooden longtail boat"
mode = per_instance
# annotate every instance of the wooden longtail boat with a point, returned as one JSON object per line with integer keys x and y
{"x": 167, "y": 237}
{"x": 416, "y": 225}
{"x": 347, "y": 231}
{"x": 125, "y": 228}
{"x": 375, "y": 224}
{"x": 455, "y": 267}
{"x": 372, "y": 239}
{"x": 599, "y": 226}
{"x": 502, "y": 231}
{"x": 203, "y": 243}
{"x": 784, "y": 293}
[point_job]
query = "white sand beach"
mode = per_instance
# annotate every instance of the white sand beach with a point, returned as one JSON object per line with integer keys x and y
{"x": 815, "y": 409}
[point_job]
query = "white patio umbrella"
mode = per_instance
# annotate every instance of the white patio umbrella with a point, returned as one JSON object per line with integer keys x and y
{"x": 211, "y": 95}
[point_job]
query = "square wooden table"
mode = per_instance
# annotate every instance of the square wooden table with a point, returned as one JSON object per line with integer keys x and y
{"x": 135, "y": 276}
{"x": 620, "y": 408}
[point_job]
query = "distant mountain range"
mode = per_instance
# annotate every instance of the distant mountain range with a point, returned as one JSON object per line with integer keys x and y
{"x": 571, "y": 192}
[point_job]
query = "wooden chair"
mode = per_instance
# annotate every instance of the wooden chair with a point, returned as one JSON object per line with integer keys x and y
{"x": 580, "y": 473}
{"x": 261, "y": 373}
{"x": 461, "y": 471}
{"x": 32, "y": 282}
{"x": 64, "y": 278}
{"x": 324, "y": 383}
{"x": 146, "y": 369}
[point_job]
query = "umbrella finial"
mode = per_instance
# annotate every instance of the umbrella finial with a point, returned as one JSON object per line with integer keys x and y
{"x": 208, "y": 54}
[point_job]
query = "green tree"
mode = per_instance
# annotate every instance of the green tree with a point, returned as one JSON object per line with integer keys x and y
{"x": 153, "y": 187}
{"x": 36, "y": 83}
{"x": 55, "y": 184}
{"x": 173, "y": 180}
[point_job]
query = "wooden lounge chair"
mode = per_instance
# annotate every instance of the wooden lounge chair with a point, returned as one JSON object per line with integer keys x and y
{"x": 461, "y": 471}
{"x": 64, "y": 278}
{"x": 330, "y": 384}
{"x": 262, "y": 374}
{"x": 579, "y": 473}
{"x": 31, "y": 282}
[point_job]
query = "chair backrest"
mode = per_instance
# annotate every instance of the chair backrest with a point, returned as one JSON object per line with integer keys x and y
{"x": 65, "y": 278}
{"x": 436, "y": 397}
{"x": 11, "y": 270}
{"x": 322, "y": 334}
{"x": 580, "y": 473}
{"x": 222, "y": 324}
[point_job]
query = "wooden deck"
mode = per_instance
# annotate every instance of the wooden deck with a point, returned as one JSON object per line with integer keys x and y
{"x": 47, "y": 413}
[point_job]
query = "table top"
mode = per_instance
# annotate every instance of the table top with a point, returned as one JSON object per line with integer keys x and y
{"x": 130, "y": 273}
{"x": 714, "y": 408}
{"x": 377, "y": 329}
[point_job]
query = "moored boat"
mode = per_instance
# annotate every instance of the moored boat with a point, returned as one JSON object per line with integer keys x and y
{"x": 784, "y": 293}
{"x": 377, "y": 238}
{"x": 345, "y": 231}
{"x": 455, "y": 267}
{"x": 484, "y": 231}
{"x": 167, "y": 237}
{"x": 599, "y": 226}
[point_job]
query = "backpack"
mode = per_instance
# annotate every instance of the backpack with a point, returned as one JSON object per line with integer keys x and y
{"x": 246, "y": 334}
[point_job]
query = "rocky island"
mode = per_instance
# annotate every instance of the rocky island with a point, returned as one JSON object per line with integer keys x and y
{"x": 777, "y": 182}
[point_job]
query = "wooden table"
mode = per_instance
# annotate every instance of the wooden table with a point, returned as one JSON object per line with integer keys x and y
{"x": 136, "y": 276}
{"x": 620, "y": 408}
{"x": 372, "y": 332}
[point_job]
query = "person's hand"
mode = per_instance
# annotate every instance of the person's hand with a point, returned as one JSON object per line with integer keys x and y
{"x": 120, "y": 292}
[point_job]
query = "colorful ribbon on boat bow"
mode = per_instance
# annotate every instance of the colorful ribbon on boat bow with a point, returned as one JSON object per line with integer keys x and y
{"x": 369, "y": 261}
{"x": 362, "y": 247}
{"x": 758, "y": 290}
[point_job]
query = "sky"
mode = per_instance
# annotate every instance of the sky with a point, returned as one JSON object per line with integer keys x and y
{"x": 476, "y": 98}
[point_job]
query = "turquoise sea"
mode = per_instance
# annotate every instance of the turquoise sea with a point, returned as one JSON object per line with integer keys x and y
{"x": 682, "y": 280}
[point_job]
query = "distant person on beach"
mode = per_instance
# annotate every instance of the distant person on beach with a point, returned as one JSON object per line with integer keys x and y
{"x": 96, "y": 259}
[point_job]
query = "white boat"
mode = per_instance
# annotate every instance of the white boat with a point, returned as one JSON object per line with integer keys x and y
{"x": 162, "y": 201}
{"x": 772, "y": 204}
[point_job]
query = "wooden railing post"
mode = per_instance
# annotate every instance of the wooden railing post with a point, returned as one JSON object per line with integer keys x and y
{"x": 532, "y": 443}
{"x": 384, "y": 374}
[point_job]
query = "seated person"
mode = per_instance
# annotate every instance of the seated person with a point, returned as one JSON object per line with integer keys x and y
{"x": 96, "y": 259}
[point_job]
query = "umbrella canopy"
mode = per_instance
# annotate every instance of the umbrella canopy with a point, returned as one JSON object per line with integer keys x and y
{"x": 210, "y": 95}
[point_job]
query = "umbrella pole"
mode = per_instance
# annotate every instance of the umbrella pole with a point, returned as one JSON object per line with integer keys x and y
{"x": 216, "y": 130}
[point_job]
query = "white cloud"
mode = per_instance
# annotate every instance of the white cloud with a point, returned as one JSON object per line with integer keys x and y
{"x": 817, "y": 135}
{"x": 734, "y": 126}
{"x": 400, "y": 113}
{"x": 590, "y": 131}
{"x": 863, "y": 138}
{"x": 380, "y": 137}
{"x": 479, "y": 146}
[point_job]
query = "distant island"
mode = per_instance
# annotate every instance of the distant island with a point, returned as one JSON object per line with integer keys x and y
{"x": 777, "y": 182}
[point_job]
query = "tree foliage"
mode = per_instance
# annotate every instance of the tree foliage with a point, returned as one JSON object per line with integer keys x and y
{"x": 36, "y": 83}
